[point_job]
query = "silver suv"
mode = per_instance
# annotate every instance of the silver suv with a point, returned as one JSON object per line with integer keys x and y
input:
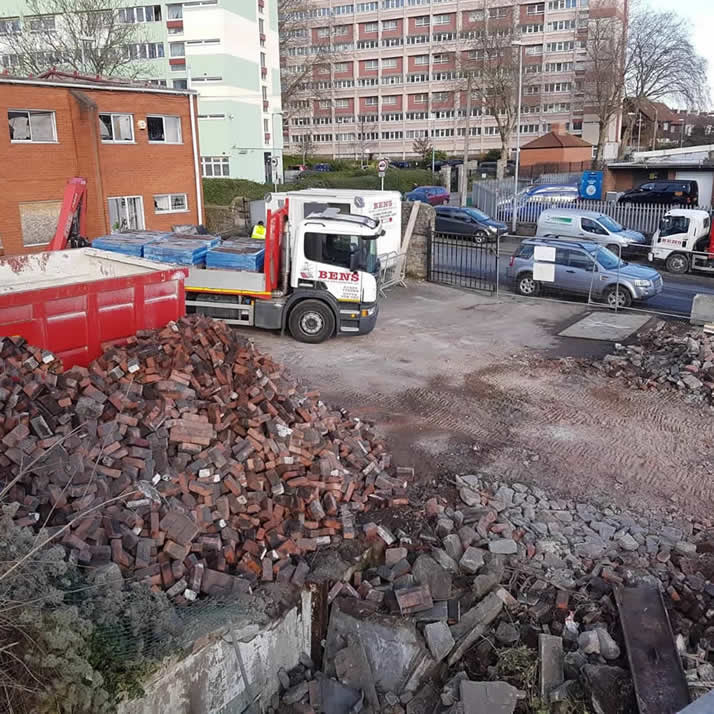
{"x": 585, "y": 268}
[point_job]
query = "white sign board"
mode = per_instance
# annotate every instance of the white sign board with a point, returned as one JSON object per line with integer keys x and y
{"x": 545, "y": 253}
{"x": 544, "y": 272}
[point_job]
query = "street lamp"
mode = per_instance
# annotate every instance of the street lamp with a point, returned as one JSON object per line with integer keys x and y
{"x": 520, "y": 45}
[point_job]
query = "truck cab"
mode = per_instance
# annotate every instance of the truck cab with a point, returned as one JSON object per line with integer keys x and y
{"x": 683, "y": 241}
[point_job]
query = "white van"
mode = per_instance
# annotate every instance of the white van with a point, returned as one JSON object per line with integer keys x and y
{"x": 587, "y": 225}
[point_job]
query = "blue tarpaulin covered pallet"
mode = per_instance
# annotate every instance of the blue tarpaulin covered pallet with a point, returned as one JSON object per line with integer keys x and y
{"x": 182, "y": 250}
{"x": 129, "y": 243}
{"x": 237, "y": 255}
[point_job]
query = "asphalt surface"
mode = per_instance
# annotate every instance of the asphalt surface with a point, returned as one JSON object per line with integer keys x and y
{"x": 456, "y": 258}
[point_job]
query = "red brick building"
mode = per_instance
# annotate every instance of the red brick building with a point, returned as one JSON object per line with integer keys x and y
{"x": 136, "y": 145}
{"x": 556, "y": 148}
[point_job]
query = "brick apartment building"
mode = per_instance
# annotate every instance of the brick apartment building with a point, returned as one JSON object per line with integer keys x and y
{"x": 137, "y": 147}
{"x": 395, "y": 77}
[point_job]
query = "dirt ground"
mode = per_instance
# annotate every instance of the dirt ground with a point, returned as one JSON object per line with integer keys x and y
{"x": 458, "y": 383}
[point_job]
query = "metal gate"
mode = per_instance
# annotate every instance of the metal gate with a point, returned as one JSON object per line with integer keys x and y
{"x": 458, "y": 260}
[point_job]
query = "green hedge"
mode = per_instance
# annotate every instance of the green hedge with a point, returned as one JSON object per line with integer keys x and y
{"x": 221, "y": 191}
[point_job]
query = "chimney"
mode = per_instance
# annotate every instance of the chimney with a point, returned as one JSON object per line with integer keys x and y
{"x": 557, "y": 128}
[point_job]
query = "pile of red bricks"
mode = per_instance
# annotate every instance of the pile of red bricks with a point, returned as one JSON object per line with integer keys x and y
{"x": 186, "y": 457}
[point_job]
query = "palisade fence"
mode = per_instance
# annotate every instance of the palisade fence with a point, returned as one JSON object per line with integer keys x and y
{"x": 496, "y": 199}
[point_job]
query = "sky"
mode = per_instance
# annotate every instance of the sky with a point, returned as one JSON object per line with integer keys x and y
{"x": 700, "y": 13}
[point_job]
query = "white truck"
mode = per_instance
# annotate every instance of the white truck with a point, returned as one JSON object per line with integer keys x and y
{"x": 319, "y": 278}
{"x": 684, "y": 241}
{"x": 386, "y": 206}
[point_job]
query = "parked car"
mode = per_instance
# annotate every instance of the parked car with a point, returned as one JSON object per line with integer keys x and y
{"x": 401, "y": 164}
{"x": 433, "y": 195}
{"x": 531, "y": 202}
{"x": 491, "y": 168}
{"x": 588, "y": 225}
{"x": 469, "y": 223}
{"x": 584, "y": 268}
{"x": 677, "y": 192}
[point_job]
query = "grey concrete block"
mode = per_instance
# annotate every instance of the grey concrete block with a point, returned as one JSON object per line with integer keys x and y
{"x": 550, "y": 655}
{"x": 439, "y": 640}
{"x": 491, "y": 697}
{"x": 702, "y": 309}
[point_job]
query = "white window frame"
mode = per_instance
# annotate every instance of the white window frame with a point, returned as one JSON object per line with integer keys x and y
{"x": 171, "y": 197}
{"x": 341, "y": 67}
{"x": 114, "y": 140}
{"x": 371, "y": 101}
{"x": 371, "y": 65}
{"x": 442, "y": 19}
{"x": 370, "y": 28}
{"x": 163, "y": 117}
{"x": 421, "y": 60}
{"x": 389, "y": 101}
{"x": 389, "y": 63}
{"x": 29, "y": 112}
{"x": 142, "y": 223}
{"x": 422, "y": 21}
{"x": 342, "y": 103}
{"x": 389, "y": 25}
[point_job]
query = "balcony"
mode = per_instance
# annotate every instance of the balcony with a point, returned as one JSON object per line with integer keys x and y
{"x": 174, "y": 24}
{"x": 262, "y": 37}
{"x": 263, "y": 72}
{"x": 177, "y": 61}
{"x": 265, "y": 105}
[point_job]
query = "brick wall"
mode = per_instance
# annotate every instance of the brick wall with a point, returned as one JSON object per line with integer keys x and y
{"x": 37, "y": 172}
{"x": 570, "y": 154}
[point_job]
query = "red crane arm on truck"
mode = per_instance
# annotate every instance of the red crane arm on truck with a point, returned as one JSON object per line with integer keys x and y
{"x": 275, "y": 234}
{"x": 73, "y": 214}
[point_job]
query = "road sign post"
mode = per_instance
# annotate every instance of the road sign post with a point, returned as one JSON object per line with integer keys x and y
{"x": 382, "y": 170}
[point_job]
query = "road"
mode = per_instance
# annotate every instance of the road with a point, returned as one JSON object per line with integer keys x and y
{"x": 456, "y": 258}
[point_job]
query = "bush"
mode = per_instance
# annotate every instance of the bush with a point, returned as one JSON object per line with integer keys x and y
{"x": 221, "y": 191}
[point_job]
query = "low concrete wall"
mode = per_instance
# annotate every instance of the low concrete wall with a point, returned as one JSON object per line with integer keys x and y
{"x": 208, "y": 680}
{"x": 417, "y": 253}
{"x": 229, "y": 219}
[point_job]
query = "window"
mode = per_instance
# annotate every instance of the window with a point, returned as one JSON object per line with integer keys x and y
{"x": 144, "y": 50}
{"x": 126, "y": 213}
{"x": 44, "y": 23}
{"x": 323, "y": 32}
{"x": 367, "y": 6}
{"x": 442, "y": 19}
{"x": 370, "y": 101}
{"x": 341, "y": 30}
{"x": 534, "y": 50}
{"x": 212, "y": 41}
{"x": 421, "y": 60}
{"x": 214, "y": 117}
{"x": 389, "y": 101}
{"x": 143, "y": 13}
{"x": 263, "y": 60}
{"x": 170, "y": 203}
{"x": 530, "y": 29}
{"x": 175, "y": 12}
{"x": 343, "y": 10}
{"x": 558, "y": 66}
{"x": 266, "y": 126}
{"x": 11, "y": 26}
{"x": 208, "y": 79}
{"x": 35, "y": 126}
{"x": 537, "y": 9}
{"x": 440, "y": 59}
{"x": 420, "y": 99}
{"x": 392, "y": 4}
{"x": 476, "y": 16}
{"x": 498, "y": 12}
{"x": 389, "y": 25}
{"x": 562, "y": 4}
{"x": 440, "y": 97}
{"x": 389, "y": 63}
{"x": 560, "y": 25}
{"x": 117, "y": 128}
{"x": 560, "y": 46}
{"x": 164, "y": 129}
{"x": 341, "y": 67}
{"x": 177, "y": 49}
{"x": 593, "y": 227}
{"x": 370, "y": 28}
{"x": 338, "y": 250}
{"x": 422, "y": 21}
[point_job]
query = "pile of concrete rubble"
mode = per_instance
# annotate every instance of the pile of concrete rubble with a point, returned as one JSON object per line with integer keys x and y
{"x": 503, "y": 601}
{"x": 665, "y": 357}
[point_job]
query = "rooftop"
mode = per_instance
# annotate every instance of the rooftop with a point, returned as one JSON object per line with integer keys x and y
{"x": 56, "y": 78}
{"x": 554, "y": 140}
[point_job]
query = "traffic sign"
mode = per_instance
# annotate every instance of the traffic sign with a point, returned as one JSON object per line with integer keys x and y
{"x": 382, "y": 166}
{"x": 274, "y": 161}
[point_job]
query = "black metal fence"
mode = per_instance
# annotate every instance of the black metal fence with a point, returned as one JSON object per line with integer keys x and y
{"x": 460, "y": 261}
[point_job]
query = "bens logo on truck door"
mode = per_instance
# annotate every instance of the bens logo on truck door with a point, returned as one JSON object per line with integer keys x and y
{"x": 340, "y": 277}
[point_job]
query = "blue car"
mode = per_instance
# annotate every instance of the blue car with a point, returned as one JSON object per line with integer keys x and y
{"x": 531, "y": 202}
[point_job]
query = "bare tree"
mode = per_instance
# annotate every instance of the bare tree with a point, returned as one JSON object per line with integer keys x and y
{"x": 297, "y": 77}
{"x": 422, "y": 146}
{"x": 92, "y": 37}
{"x": 306, "y": 145}
{"x": 662, "y": 63}
{"x": 604, "y": 79}
{"x": 361, "y": 144}
{"x": 490, "y": 71}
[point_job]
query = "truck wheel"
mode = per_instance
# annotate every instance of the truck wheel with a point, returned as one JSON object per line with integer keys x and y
{"x": 526, "y": 286}
{"x": 677, "y": 263}
{"x": 311, "y": 321}
{"x": 618, "y": 297}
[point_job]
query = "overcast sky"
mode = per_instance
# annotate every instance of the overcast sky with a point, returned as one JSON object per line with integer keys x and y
{"x": 700, "y": 13}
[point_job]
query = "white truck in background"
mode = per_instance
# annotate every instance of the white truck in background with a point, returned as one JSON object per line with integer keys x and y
{"x": 684, "y": 241}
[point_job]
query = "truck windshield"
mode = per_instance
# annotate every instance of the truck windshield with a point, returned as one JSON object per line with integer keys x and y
{"x": 611, "y": 225}
{"x": 337, "y": 250}
{"x": 672, "y": 225}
